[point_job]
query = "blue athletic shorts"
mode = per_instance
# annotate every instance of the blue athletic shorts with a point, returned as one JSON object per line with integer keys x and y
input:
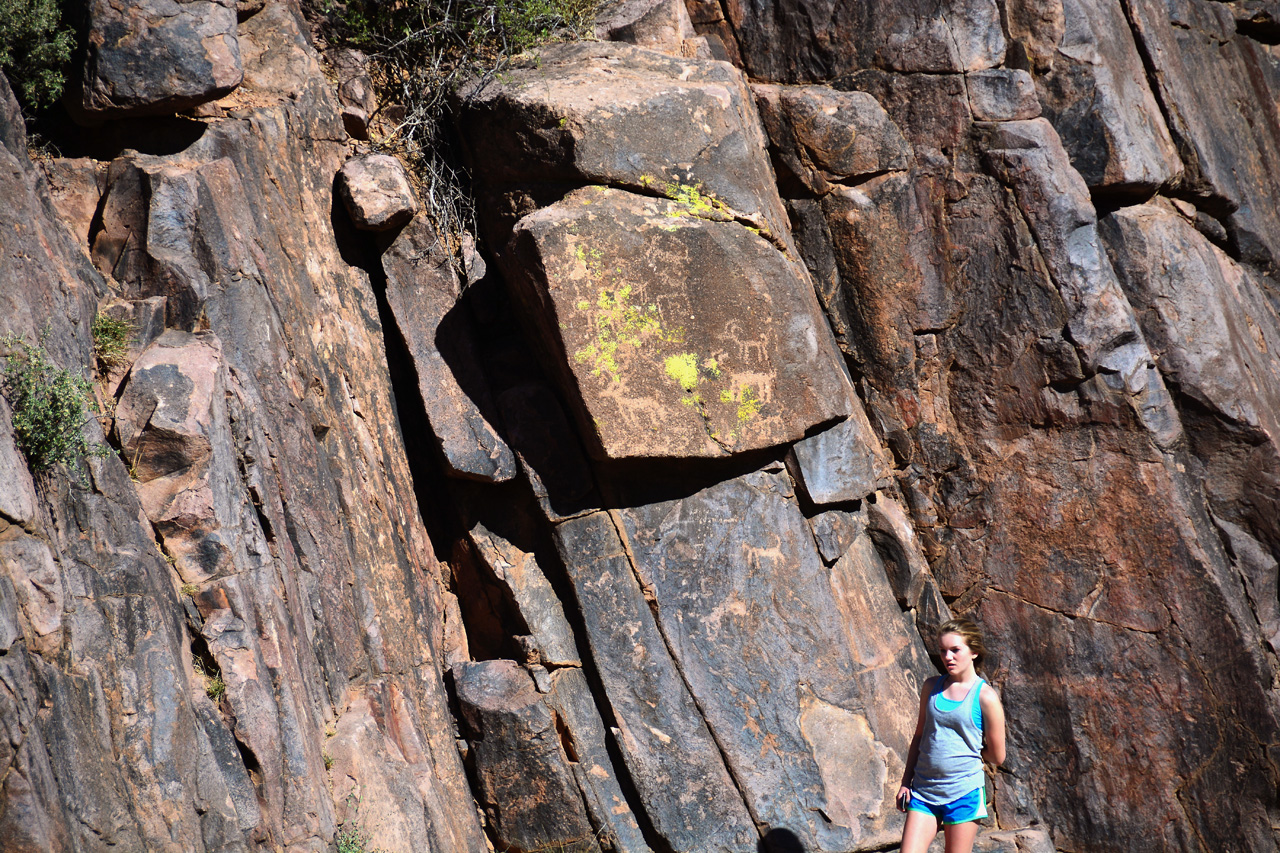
{"x": 971, "y": 806}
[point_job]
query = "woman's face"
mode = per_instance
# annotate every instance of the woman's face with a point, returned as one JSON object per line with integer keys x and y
{"x": 957, "y": 657}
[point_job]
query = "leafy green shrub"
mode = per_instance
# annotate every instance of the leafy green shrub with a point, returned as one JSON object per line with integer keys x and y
{"x": 34, "y": 47}
{"x": 49, "y": 406}
{"x": 111, "y": 338}
{"x": 422, "y": 50}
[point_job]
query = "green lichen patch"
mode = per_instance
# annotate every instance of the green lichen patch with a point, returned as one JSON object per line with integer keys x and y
{"x": 683, "y": 368}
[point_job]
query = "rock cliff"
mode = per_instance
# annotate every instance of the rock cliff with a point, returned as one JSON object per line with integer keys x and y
{"x": 790, "y": 330}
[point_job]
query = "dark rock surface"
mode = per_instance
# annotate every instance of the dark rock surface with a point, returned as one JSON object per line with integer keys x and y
{"x": 627, "y": 524}
{"x": 158, "y": 56}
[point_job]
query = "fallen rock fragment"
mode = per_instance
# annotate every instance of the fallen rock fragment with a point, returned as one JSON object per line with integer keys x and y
{"x": 376, "y": 192}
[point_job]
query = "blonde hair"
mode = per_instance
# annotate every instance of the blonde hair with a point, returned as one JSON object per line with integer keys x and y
{"x": 970, "y": 633}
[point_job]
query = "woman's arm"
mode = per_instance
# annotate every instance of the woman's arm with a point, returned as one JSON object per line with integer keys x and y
{"x": 904, "y": 791}
{"x": 992, "y": 725}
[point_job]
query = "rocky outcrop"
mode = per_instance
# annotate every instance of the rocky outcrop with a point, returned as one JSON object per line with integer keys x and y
{"x": 625, "y": 523}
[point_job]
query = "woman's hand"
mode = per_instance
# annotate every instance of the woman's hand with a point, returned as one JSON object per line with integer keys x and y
{"x": 904, "y": 797}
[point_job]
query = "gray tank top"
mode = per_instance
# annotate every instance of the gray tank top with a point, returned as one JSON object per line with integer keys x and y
{"x": 950, "y": 761}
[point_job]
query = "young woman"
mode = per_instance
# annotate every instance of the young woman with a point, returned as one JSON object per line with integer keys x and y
{"x": 961, "y": 724}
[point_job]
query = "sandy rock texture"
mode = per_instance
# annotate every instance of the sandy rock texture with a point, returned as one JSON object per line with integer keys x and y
{"x": 623, "y": 522}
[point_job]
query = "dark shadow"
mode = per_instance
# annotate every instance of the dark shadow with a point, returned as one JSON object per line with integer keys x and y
{"x": 161, "y": 136}
{"x": 779, "y": 840}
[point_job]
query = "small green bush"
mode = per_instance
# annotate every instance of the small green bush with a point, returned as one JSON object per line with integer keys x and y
{"x": 50, "y": 406}
{"x": 111, "y": 339}
{"x": 34, "y": 47}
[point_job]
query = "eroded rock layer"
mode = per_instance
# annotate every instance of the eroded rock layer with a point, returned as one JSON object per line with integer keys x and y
{"x": 789, "y": 331}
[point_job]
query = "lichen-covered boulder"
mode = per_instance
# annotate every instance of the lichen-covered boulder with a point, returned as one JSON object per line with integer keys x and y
{"x": 158, "y": 56}
{"x": 675, "y": 330}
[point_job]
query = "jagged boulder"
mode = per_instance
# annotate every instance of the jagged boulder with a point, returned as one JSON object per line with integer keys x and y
{"x": 675, "y": 330}
{"x": 158, "y": 56}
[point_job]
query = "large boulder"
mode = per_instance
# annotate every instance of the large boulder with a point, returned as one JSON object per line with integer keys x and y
{"x": 621, "y": 116}
{"x": 675, "y": 331}
{"x": 158, "y": 56}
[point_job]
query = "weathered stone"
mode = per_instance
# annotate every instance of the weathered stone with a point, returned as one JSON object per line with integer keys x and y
{"x": 379, "y": 754}
{"x": 931, "y": 110}
{"x": 1029, "y": 157}
{"x": 822, "y": 135}
{"x": 1215, "y": 335}
{"x": 571, "y": 700}
{"x": 1094, "y": 89}
{"x": 619, "y": 115}
{"x": 158, "y": 56}
{"x": 376, "y": 192}
{"x": 661, "y": 25}
{"x": 525, "y": 582}
{"x": 17, "y": 488}
{"x": 1227, "y": 134}
{"x": 843, "y": 463}
{"x": 671, "y": 757}
{"x": 422, "y": 292}
{"x": 931, "y": 36}
{"x": 516, "y": 741}
{"x": 774, "y": 654}
{"x": 336, "y": 584}
{"x": 835, "y": 530}
{"x": 38, "y": 587}
{"x": 145, "y": 321}
{"x": 890, "y": 269}
{"x": 1002, "y": 94}
{"x": 638, "y": 305}
{"x": 171, "y": 423}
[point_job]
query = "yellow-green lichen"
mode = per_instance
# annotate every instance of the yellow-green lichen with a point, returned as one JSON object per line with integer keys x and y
{"x": 683, "y": 368}
{"x": 748, "y": 404}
